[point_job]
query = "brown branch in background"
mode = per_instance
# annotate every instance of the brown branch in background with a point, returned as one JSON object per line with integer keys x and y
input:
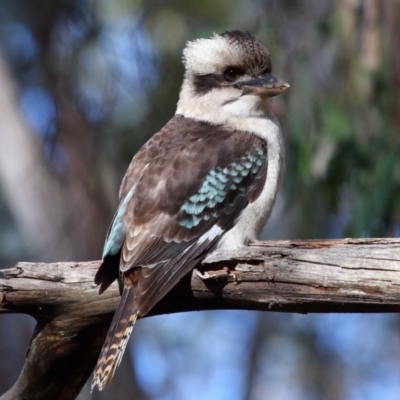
{"x": 289, "y": 276}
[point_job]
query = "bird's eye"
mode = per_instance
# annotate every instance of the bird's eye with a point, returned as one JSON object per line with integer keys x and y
{"x": 231, "y": 74}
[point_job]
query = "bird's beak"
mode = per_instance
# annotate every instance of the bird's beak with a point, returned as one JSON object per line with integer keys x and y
{"x": 265, "y": 85}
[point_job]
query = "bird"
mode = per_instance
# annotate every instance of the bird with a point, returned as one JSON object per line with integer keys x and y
{"x": 206, "y": 181}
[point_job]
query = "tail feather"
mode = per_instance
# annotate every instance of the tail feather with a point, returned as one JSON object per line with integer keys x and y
{"x": 117, "y": 338}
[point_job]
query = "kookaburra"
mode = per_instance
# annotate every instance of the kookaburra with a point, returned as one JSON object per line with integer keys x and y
{"x": 207, "y": 180}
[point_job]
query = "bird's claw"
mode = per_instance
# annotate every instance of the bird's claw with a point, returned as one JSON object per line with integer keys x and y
{"x": 257, "y": 243}
{"x": 205, "y": 275}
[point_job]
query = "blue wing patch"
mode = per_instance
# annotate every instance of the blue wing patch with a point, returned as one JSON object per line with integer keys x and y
{"x": 218, "y": 183}
{"x": 117, "y": 232}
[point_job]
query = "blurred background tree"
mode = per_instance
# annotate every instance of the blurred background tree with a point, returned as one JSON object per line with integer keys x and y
{"x": 84, "y": 83}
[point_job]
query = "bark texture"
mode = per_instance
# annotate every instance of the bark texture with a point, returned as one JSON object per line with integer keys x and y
{"x": 349, "y": 275}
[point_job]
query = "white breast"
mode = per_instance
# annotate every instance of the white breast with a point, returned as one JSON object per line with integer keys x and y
{"x": 256, "y": 214}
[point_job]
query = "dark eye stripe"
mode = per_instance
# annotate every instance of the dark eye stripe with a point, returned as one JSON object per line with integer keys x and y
{"x": 205, "y": 83}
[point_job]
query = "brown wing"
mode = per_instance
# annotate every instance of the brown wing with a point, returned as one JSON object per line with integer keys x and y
{"x": 197, "y": 180}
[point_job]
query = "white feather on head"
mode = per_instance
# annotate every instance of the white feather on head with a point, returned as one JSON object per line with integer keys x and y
{"x": 206, "y": 56}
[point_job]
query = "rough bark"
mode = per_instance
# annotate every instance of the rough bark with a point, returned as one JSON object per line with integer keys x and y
{"x": 347, "y": 275}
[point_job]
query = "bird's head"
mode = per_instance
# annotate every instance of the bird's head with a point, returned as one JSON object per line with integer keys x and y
{"x": 228, "y": 75}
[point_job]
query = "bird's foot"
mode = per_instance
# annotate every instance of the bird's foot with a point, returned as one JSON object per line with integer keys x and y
{"x": 224, "y": 273}
{"x": 257, "y": 243}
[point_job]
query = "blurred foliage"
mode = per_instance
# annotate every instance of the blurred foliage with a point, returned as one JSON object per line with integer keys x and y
{"x": 120, "y": 62}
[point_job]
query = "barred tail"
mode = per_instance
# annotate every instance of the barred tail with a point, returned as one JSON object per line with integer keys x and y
{"x": 116, "y": 340}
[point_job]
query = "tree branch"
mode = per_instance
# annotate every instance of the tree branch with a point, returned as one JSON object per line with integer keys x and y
{"x": 350, "y": 275}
